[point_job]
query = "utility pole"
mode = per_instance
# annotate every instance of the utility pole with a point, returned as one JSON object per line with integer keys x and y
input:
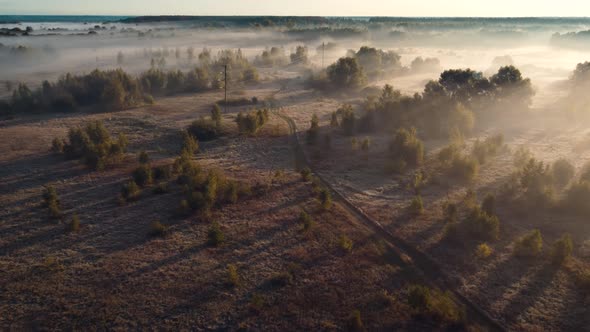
{"x": 225, "y": 85}
{"x": 323, "y": 52}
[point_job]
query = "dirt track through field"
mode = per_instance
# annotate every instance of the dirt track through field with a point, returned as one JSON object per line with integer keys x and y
{"x": 406, "y": 252}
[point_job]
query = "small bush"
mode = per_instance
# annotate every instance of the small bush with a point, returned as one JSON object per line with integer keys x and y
{"x": 563, "y": 172}
{"x": 157, "y": 229}
{"x": 161, "y": 188}
{"x": 481, "y": 225}
{"x": 216, "y": 115}
{"x": 314, "y": 129}
{"x": 345, "y": 243}
{"x": 366, "y": 144}
{"x": 281, "y": 279}
{"x": 305, "y": 174}
{"x": 233, "y": 278}
{"x": 190, "y": 145}
{"x": 488, "y": 148}
{"x": 204, "y": 130}
{"x": 562, "y": 249}
{"x": 407, "y": 147}
{"x": 51, "y": 201}
{"x": 143, "y": 157}
{"x": 521, "y": 156}
{"x": 529, "y": 245}
{"x": 450, "y": 212}
{"x": 434, "y": 303}
{"x": 325, "y": 199}
{"x": 483, "y": 251}
{"x": 251, "y": 122}
{"x": 489, "y": 204}
{"x": 306, "y": 220}
{"x": 355, "y": 322}
{"x": 215, "y": 235}
{"x": 448, "y": 154}
{"x": 57, "y": 145}
{"x": 74, "y": 224}
{"x": 130, "y": 191}
{"x": 143, "y": 175}
{"x": 416, "y": 206}
{"x": 163, "y": 172}
{"x": 464, "y": 168}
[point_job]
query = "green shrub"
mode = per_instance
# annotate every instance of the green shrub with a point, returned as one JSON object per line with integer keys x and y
{"x": 346, "y": 73}
{"x": 522, "y": 155}
{"x": 348, "y": 123}
{"x": 488, "y": 148}
{"x": 536, "y": 180}
{"x": 306, "y": 220}
{"x": 305, "y": 174}
{"x": 325, "y": 199}
{"x": 489, "y": 204}
{"x": 215, "y": 235}
{"x": 355, "y": 322}
{"x": 204, "y": 130}
{"x": 130, "y": 191}
{"x": 94, "y": 145}
{"x": 251, "y": 122}
{"x": 74, "y": 224}
{"x": 481, "y": 225}
{"x": 416, "y": 206}
{"x": 143, "y": 157}
{"x": 345, "y": 243}
{"x": 483, "y": 251}
{"x": 190, "y": 145}
{"x": 447, "y": 155}
{"x": 232, "y": 275}
{"x": 407, "y": 147}
{"x": 434, "y": 303}
{"x": 143, "y": 175}
{"x": 464, "y": 168}
{"x": 157, "y": 229}
{"x": 529, "y": 245}
{"x": 562, "y": 172}
{"x": 51, "y": 201}
{"x": 216, "y": 115}
{"x": 57, "y": 145}
{"x": 314, "y": 129}
{"x": 562, "y": 249}
{"x": 163, "y": 172}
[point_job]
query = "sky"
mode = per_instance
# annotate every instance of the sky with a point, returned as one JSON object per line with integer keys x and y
{"x": 455, "y": 8}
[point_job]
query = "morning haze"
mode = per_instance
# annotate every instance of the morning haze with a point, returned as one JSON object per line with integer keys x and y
{"x": 281, "y": 166}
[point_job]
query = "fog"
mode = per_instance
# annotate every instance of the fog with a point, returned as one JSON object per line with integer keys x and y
{"x": 56, "y": 48}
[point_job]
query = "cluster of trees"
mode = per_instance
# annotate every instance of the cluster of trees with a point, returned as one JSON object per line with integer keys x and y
{"x": 376, "y": 63}
{"x": 92, "y": 144}
{"x": 578, "y": 100}
{"x": 275, "y": 57}
{"x": 251, "y": 122}
{"x": 113, "y": 89}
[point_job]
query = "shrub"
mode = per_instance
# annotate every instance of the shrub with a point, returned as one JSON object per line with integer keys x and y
{"x": 161, "y": 188}
{"x": 305, "y": 174}
{"x": 52, "y": 202}
{"x": 483, "y": 251}
{"x": 57, "y": 145}
{"x": 94, "y": 145}
{"x": 529, "y": 245}
{"x": 334, "y": 120}
{"x": 489, "y": 204}
{"x": 282, "y": 279}
{"x": 447, "y": 155}
{"x": 577, "y": 197}
{"x": 562, "y": 249}
{"x": 407, "y": 147}
{"x": 190, "y": 145}
{"x": 143, "y": 157}
{"x": 162, "y": 172}
{"x": 157, "y": 229}
{"x": 251, "y": 122}
{"x": 142, "y": 175}
{"x": 306, "y": 220}
{"x": 464, "y": 168}
{"x": 396, "y": 166}
{"x": 450, "y": 212}
{"x": 233, "y": 278}
{"x": 355, "y": 322}
{"x": 432, "y": 302}
{"x": 366, "y": 144}
{"x": 130, "y": 191}
{"x": 488, "y": 148}
{"x": 325, "y": 199}
{"x": 215, "y": 235}
{"x": 314, "y": 129}
{"x": 536, "y": 180}
{"x": 348, "y": 123}
{"x": 204, "y": 130}
{"x": 345, "y": 243}
{"x": 74, "y": 224}
{"x": 562, "y": 172}
{"x": 416, "y": 206}
{"x": 216, "y": 115}
{"x": 481, "y": 225}
{"x": 522, "y": 155}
